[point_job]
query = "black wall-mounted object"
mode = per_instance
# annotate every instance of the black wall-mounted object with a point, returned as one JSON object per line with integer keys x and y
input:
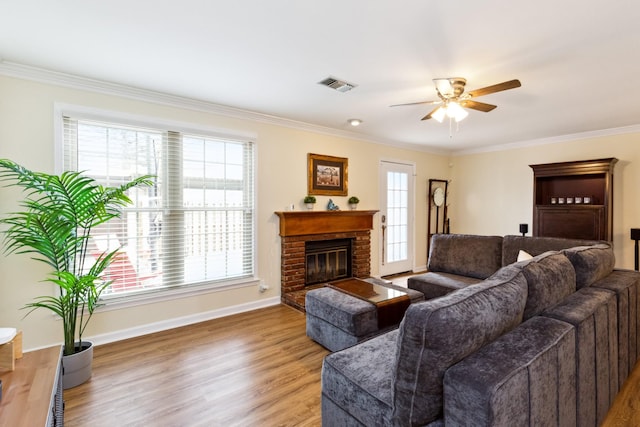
{"x": 635, "y": 235}
{"x": 524, "y": 229}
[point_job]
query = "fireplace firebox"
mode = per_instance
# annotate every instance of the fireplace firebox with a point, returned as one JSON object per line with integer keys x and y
{"x": 327, "y": 260}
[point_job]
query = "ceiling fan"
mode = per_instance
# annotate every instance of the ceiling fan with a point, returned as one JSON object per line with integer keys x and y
{"x": 453, "y": 98}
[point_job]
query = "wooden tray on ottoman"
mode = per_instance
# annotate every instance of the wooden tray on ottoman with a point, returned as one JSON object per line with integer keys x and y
{"x": 390, "y": 303}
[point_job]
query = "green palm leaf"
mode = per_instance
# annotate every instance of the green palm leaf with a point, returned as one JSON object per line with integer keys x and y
{"x": 60, "y": 212}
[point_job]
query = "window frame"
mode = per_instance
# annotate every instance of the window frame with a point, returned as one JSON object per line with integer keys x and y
{"x": 127, "y": 119}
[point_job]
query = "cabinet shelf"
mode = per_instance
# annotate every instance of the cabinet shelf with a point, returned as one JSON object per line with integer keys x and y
{"x": 589, "y": 178}
{"x": 570, "y": 205}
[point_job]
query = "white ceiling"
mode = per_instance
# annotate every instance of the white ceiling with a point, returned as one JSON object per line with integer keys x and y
{"x": 577, "y": 60}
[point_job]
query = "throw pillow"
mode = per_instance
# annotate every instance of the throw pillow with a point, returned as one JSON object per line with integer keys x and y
{"x": 523, "y": 256}
{"x": 550, "y": 279}
{"x": 591, "y": 263}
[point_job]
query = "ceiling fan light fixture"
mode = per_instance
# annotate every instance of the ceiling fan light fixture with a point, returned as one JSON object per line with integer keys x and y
{"x": 454, "y": 101}
{"x": 439, "y": 114}
{"x": 455, "y": 111}
{"x": 461, "y": 116}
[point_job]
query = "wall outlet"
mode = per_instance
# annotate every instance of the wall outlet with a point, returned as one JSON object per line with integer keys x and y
{"x": 263, "y": 287}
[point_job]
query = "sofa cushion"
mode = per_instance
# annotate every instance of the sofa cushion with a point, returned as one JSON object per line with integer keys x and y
{"x": 524, "y": 378}
{"x": 550, "y": 279}
{"x": 626, "y": 286}
{"x": 438, "y": 333}
{"x": 591, "y": 263}
{"x": 466, "y": 255}
{"x": 511, "y": 245}
{"x": 593, "y": 314}
{"x": 358, "y": 380}
{"x": 436, "y": 284}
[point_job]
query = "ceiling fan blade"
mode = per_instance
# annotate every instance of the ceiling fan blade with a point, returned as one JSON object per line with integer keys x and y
{"x": 480, "y": 106}
{"x": 511, "y": 84}
{"x": 428, "y": 116}
{"x": 416, "y": 103}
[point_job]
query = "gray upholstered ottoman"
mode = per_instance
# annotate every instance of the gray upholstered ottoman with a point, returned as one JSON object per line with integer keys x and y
{"x": 337, "y": 320}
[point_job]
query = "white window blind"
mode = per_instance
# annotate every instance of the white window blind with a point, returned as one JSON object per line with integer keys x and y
{"x": 195, "y": 226}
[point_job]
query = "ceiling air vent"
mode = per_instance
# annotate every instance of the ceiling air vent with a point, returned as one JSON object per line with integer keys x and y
{"x": 339, "y": 85}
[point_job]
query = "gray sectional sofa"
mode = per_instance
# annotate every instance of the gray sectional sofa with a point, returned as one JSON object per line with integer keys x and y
{"x": 459, "y": 260}
{"x": 546, "y": 341}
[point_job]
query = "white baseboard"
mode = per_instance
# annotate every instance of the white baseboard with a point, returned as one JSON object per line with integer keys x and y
{"x": 419, "y": 268}
{"x": 181, "y": 321}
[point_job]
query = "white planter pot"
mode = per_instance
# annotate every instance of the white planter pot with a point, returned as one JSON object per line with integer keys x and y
{"x": 353, "y": 206}
{"x": 310, "y": 206}
{"x": 77, "y": 366}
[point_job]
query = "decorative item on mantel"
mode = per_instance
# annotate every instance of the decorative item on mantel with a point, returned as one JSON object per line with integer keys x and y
{"x": 332, "y": 206}
{"x": 309, "y": 201}
{"x": 353, "y": 202}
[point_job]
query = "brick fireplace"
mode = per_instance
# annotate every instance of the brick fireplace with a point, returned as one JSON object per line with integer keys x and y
{"x": 298, "y": 228}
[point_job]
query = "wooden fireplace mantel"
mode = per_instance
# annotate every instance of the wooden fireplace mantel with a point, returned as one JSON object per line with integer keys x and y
{"x": 301, "y": 223}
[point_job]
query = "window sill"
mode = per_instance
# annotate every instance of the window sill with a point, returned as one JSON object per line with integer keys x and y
{"x": 117, "y": 302}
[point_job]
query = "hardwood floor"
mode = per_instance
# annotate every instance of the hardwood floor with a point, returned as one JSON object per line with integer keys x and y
{"x": 252, "y": 369}
{"x": 625, "y": 411}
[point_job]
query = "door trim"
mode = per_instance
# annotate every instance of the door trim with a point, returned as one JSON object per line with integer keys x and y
{"x": 411, "y": 214}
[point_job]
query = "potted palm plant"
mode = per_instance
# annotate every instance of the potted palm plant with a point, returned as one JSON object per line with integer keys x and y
{"x": 55, "y": 226}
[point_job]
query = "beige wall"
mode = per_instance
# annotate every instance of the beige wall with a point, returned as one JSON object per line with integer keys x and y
{"x": 490, "y": 193}
{"x": 26, "y": 136}
{"x": 494, "y": 191}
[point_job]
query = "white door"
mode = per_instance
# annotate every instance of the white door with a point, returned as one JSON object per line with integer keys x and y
{"x": 396, "y": 217}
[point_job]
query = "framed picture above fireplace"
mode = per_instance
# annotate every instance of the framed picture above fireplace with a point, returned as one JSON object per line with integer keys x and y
{"x": 327, "y": 175}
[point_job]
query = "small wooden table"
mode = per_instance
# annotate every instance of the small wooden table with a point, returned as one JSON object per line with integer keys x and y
{"x": 32, "y": 392}
{"x": 390, "y": 303}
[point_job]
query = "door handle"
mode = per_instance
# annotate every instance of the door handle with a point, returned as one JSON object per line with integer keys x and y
{"x": 384, "y": 238}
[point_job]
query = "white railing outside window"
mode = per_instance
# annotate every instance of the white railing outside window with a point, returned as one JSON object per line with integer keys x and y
{"x": 195, "y": 226}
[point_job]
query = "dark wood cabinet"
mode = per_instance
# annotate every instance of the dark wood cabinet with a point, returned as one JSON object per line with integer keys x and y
{"x": 574, "y": 199}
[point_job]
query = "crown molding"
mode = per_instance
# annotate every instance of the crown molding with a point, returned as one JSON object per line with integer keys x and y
{"x": 552, "y": 140}
{"x": 41, "y": 75}
{"x": 57, "y": 78}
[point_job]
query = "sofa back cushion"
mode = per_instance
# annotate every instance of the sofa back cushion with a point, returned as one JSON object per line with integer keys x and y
{"x": 436, "y": 334}
{"x": 591, "y": 263}
{"x": 511, "y": 245}
{"x": 465, "y": 254}
{"x": 550, "y": 279}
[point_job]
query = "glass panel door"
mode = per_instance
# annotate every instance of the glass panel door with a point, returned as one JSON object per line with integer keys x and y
{"x": 396, "y": 217}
